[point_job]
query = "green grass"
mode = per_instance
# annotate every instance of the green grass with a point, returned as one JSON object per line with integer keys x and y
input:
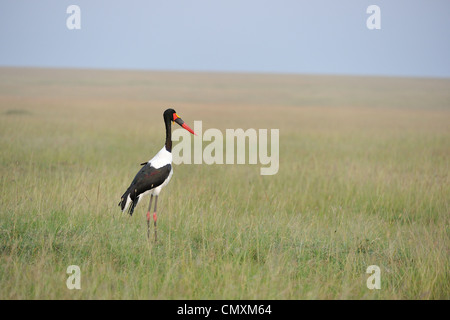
{"x": 363, "y": 180}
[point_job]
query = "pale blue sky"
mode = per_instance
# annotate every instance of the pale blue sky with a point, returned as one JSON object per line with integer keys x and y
{"x": 282, "y": 36}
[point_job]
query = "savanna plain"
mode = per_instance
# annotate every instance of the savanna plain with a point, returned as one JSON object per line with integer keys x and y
{"x": 363, "y": 180}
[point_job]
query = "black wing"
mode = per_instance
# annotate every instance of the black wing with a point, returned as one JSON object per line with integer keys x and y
{"x": 146, "y": 179}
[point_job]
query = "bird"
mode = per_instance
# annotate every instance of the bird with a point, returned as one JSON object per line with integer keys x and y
{"x": 155, "y": 174}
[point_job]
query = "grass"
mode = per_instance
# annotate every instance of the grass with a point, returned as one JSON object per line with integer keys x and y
{"x": 363, "y": 180}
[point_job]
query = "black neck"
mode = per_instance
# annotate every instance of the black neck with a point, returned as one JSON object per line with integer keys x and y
{"x": 168, "y": 135}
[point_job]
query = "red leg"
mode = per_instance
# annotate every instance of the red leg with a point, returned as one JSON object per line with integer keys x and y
{"x": 154, "y": 216}
{"x": 148, "y": 217}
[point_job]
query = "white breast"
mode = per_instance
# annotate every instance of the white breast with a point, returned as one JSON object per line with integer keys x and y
{"x": 162, "y": 158}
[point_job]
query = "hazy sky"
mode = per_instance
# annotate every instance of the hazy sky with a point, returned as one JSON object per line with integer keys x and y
{"x": 293, "y": 36}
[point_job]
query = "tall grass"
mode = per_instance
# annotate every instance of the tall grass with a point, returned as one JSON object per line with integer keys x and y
{"x": 363, "y": 181}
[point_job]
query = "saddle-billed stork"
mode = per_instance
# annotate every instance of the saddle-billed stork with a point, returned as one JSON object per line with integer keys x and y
{"x": 155, "y": 174}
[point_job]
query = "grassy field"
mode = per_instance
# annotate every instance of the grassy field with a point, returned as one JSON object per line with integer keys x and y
{"x": 363, "y": 180}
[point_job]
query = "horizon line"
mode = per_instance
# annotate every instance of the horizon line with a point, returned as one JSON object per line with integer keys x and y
{"x": 237, "y": 72}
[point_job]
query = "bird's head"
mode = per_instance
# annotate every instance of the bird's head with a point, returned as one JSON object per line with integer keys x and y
{"x": 171, "y": 115}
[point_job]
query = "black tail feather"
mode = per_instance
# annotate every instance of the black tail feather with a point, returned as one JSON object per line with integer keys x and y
{"x": 132, "y": 206}
{"x": 123, "y": 199}
{"x": 123, "y": 202}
